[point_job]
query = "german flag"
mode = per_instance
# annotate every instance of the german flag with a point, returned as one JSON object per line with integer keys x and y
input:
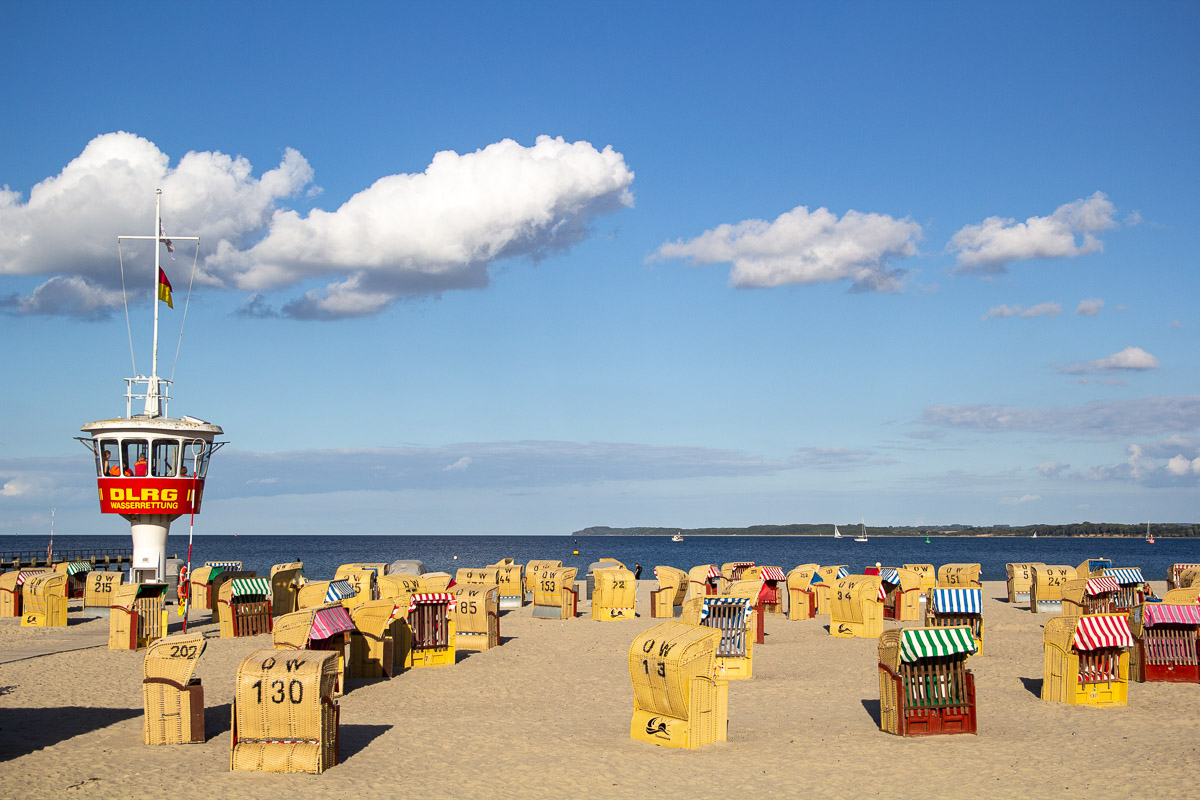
{"x": 164, "y": 288}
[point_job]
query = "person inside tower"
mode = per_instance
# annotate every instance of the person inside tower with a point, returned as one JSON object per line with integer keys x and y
{"x": 112, "y": 469}
{"x": 140, "y": 466}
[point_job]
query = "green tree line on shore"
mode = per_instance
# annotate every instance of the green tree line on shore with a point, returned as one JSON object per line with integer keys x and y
{"x": 1167, "y": 530}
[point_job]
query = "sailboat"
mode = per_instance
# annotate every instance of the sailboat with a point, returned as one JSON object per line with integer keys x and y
{"x": 1034, "y": 535}
{"x": 836, "y": 533}
{"x": 1149, "y": 536}
{"x": 678, "y": 537}
{"x": 862, "y": 535}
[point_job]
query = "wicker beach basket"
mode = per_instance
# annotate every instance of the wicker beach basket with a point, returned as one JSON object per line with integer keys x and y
{"x": 828, "y": 575}
{"x": 173, "y": 698}
{"x": 614, "y": 595}
{"x": 802, "y": 598}
{"x": 510, "y": 578}
{"x": 480, "y": 576}
{"x": 285, "y": 718}
{"x": 924, "y": 685}
{"x": 532, "y": 569}
{"x": 1046, "y": 585}
{"x": 676, "y": 701}
{"x": 137, "y": 617}
{"x": 855, "y": 607}
{"x": 703, "y": 579}
{"x": 1020, "y": 579}
{"x": 1086, "y": 660}
{"x": 928, "y": 575}
{"x": 959, "y": 576}
{"x": 375, "y": 638}
{"x": 554, "y": 595}
{"x": 44, "y": 600}
{"x": 951, "y": 608}
{"x": 476, "y": 615}
{"x": 665, "y": 601}
{"x": 286, "y": 580}
{"x": 98, "y": 593}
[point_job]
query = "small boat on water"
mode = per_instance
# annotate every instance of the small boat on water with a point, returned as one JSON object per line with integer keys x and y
{"x": 1034, "y": 535}
{"x": 862, "y": 534}
{"x": 678, "y": 537}
{"x": 1149, "y": 535}
{"x": 836, "y": 533}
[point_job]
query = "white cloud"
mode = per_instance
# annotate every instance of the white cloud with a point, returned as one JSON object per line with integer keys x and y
{"x": 437, "y": 230}
{"x": 1131, "y": 359}
{"x": 460, "y": 465}
{"x": 1016, "y": 501}
{"x": 1052, "y": 469}
{"x": 1181, "y": 465}
{"x": 68, "y": 296}
{"x": 1048, "y": 309}
{"x": 406, "y": 234}
{"x": 990, "y": 245}
{"x": 802, "y": 247}
{"x": 1103, "y": 420}
{"x": 1090, "y": 307}
{"x": 71, "y": 221}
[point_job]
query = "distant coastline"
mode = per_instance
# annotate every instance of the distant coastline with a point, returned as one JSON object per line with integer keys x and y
{"x": 1083, "y": 530}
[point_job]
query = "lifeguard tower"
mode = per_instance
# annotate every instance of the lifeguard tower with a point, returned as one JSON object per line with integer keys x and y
{"x": 151, "y": 467}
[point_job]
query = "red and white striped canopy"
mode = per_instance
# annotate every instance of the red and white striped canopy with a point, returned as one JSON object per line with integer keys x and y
{"x": 714, "y": 571}
{"x": 1170, "y": 614}
{"x": 25, "y": 573}
{"x": 1095, "y": 631}
{"x": 772, "y": 574}
{"x": 1101, "y": 585}
{"x": 444, "y": 598}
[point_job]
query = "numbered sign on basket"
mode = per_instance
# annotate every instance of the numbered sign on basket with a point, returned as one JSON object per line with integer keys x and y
{"x": 284, "y": 716}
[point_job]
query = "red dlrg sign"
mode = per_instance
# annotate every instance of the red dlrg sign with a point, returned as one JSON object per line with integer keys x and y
{"x": 149, "y": 495}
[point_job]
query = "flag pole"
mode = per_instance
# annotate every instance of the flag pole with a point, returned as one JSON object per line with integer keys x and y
{"x": 50, "y": 547}
{"x": 191, "y": 529}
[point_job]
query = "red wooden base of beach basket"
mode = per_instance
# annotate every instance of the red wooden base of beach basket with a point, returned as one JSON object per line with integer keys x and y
{"x": 935, "y": 721}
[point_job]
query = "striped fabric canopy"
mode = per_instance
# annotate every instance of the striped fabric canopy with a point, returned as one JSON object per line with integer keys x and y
{"x": 917, "y": 643}
{"x": 79, "y": 566}
{"x": 958, "y": 601}
{"x": 890, "y": 576}
{"x": 444, "y": 598}
{"x": 1095, "y": 631}
{"x": 25, "y": 573}
{"x": 714, "y": 571}
{"x": 1125, "y": 576}
{"x": 338, "y": 590}
{"x": 1170, "y": 614}
{"x": 230, "y": 564}
{"x": 744, "y": 602}
{"x": 842, "y": 572}
{"x": 772, "y": 574}
{"x": 736, "y": 564}
{"x": 250, "y": 586}
{"x": 1101, "y": 585}
{"x": 329, "y": 621}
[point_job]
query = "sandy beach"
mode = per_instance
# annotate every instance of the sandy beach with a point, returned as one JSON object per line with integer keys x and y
{"x": 547, "y": 715}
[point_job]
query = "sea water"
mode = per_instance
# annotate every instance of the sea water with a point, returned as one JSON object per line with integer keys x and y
{"x": 323, "y": 554}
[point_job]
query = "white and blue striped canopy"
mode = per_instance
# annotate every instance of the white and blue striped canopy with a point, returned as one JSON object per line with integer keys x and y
{"x": 890, "y": 576}
{"x": 843, "y": 572}
{"x": 958, "y": 601}
{"x": 241, "y": 587}
{"x": 744, "y": 602}
{"x": 338, "y": 590}
{"x": 918, "y": 643}
{"x": 1125, "y": 575}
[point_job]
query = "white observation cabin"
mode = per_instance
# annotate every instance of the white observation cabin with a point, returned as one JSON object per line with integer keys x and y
{"x": 150, "y": 467}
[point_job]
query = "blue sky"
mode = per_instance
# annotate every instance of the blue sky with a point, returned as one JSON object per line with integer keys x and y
{"x": 529, "y": 267}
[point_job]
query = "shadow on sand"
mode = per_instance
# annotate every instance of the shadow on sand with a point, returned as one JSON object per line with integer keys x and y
{"x": 25, "y": 730}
